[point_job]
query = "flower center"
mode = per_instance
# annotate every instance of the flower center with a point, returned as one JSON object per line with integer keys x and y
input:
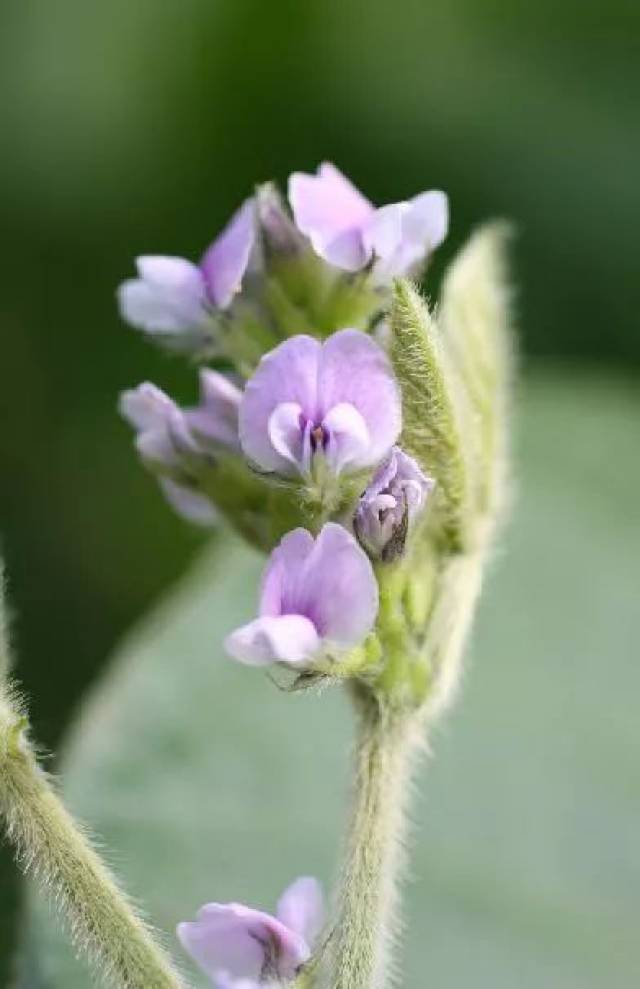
{"x": 318, "y": 436}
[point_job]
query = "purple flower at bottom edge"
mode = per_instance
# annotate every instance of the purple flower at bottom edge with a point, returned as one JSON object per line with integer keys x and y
{"x": 335, "y": 401}
{"x": 242, "y": 948}
{"x": 349, "y": 232}
{"x": 173, "y": 298}
{"x": 317, "y": 595}
{"x": 391, "y": 503}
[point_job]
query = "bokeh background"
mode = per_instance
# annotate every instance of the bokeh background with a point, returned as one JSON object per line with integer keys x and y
{"x": 131, "y": 128}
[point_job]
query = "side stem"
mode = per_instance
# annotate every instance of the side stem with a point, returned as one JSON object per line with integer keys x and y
{"x": 360, "y": 949}
{"x": 102, "y": 922}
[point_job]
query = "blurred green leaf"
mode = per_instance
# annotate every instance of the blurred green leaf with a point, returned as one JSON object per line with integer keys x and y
{"x": 207, "y": 783}
{"x": 10, "y": 902}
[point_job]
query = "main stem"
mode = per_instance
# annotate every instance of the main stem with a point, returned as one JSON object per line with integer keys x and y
{"x": 360, "y": 949}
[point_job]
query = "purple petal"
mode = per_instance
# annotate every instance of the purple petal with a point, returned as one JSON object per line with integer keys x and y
{"x": 349, "y": 439}
{"x": 280, "y": 232}
{"x": 162, "y": 432}
{"x": 427, "y": 220}
{"x": 394, "y": 497}
{"x": 312, "y": 591}
{"x": 285, "y": 433}
{"x": 170, "y": 273}
{"x": 189, "y": 504}
{"x": 382, "y": 235}
{"x": 346, "y": 251}
{"x": 346, "y": 386}
{"x": 301, "y": 908}
{"x": 329, "y": 210}
{"x": 168, "y": 297}
{"x": 235, "y": 941}
{"x": 216, "y": 417}
{"x": 287, "y": 374}
{"x": 156, "y": 447}
{"x": 220, "y": 940}
{"x": 338, "y": 589}
{"x": 146, "y": 406}
{"x": 355, "y": 370}
{"x": 286, "y": 638}
{"x": 225, "y": 262}
{"x": 401, "y": 235}
{"x": 281, "y": 579}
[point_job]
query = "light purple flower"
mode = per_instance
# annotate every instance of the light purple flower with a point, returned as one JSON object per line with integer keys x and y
{"x": 174, "y": 299}
{"x": 166, "y": 433}
{"x": 242, "y": 948}
{"x": 318, "y": 597}
{"x": 349, "y": 232}
{"x": 310, "y": 403}
{"x": 280, "y": 234}
{"x": 391, "y": 503}
{"x": 162, "y": 435}
{"x": 214, "y": 422}
{"x": 189, "y": 503}
{"x": 177, "y": 444}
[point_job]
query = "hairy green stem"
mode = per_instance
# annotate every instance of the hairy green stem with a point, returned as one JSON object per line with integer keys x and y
{"x": 103, "y": 923}
{"x": 360, "y": 949}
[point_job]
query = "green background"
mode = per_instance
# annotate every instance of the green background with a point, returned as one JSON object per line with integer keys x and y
{"x": 130, "y": 128}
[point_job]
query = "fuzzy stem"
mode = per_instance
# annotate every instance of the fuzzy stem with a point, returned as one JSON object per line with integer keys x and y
{"x": 386, "y": 742}
{"x": 102, "y": 921}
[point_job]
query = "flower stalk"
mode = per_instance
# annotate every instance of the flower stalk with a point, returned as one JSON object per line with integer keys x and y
{"x": 388, "y": 739}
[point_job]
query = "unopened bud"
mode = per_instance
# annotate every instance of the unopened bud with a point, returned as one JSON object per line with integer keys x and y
{"x": 390, "y": 505}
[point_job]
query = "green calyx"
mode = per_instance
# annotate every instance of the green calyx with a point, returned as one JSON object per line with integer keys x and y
{"x": 431, "y": 421}
{"x": 454, "y": 368}
{"x": 403, "y": 676}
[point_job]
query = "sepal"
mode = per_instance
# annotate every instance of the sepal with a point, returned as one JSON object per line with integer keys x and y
{"x": 430, "y": 408}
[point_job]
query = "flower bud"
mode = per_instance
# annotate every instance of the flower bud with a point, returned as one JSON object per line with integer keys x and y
{"x": 279, "y": 233}
{"x": 390, "y": 506}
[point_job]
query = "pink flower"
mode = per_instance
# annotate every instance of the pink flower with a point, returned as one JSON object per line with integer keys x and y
{"x": 242, "y": 948}
{"x": 318, "y": 596}
{"x": 349, "y": 232}
{"x": 310, "y": 403}
{"x": 174, "y": 299}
